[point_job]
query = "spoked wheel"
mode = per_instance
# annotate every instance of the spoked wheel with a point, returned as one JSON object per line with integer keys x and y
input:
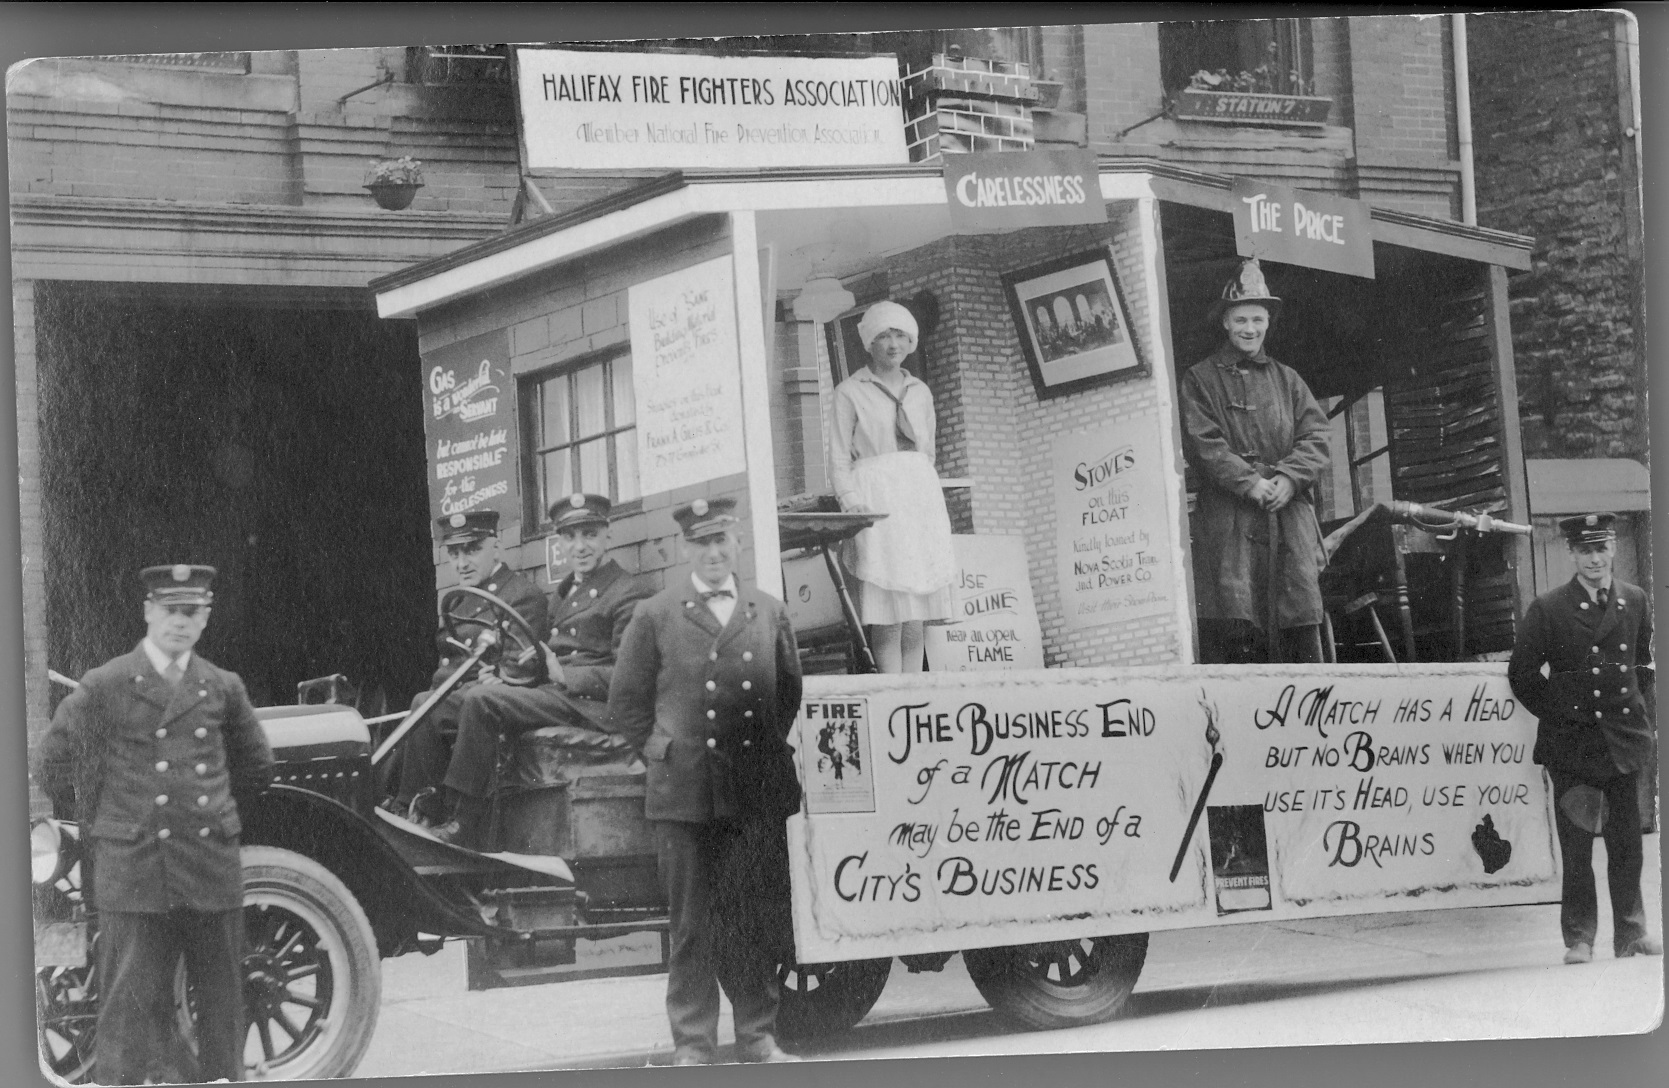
{"x": 67, "y": 1021}
{"x": 1060, "y": 984}
{"x": 312, "y": 979}
{"x": 827, "y": 998}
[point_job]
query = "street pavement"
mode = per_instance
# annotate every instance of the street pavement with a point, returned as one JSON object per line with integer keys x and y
{"x": 1443, "y": 975}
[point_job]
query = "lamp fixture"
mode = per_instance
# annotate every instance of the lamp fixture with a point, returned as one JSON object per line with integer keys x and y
{"x": 822, "y": 300}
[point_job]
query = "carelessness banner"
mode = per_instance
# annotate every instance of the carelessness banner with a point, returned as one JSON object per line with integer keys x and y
{"x": 947, "y": 812}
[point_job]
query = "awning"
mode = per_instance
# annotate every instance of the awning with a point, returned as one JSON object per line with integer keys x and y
{"x": 1577, "y": 485}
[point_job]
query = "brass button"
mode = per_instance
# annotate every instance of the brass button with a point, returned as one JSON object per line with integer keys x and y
{"x": 747, "y": 685}
{"x": 1620, "y": 668}
{"x": 162, "y": 765}
{"x": 160, "y": 733}
{"x": 1622, "y": 645}
{"x": 713, "y": 655}
{"x": 747, "y": 744}
{"x": 1595, "y": 650}
{"x": 1583, "y": 606}
{"x": 1596, "y": 670}
{"x": 1596, "y": 693}
{"x": 711, "y": 714}
{"x": 200, "y": 733}
{"x": 593, "y": 593}
{"x": 203, "y": 801}
{"x": 162, "y": 798}
{"x": 164, "y": 833}
{"x": 202, "y": 768}
{"x": 747, "y": 655}
{"x": 1597, "y": 714}
{"x": 712, "y": 743}
{"x": 1625, "y": 710}
{"x": 1622, "y": 691}
{"x": 202, "y": 832}
{"x": 747, "y": 713}
{"x": 712, "y": 686}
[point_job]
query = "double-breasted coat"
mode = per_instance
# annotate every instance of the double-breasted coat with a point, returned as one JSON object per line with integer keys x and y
{"x": 1237, "y": 414}
{"x": 1593, "y": 718}
{"x": 155, "y": 772}
{"x": 710, "y": 707}
{"x": 588, "y": 623}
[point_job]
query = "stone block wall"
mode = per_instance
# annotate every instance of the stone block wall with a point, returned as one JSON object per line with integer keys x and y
{"x": 1553, "y": 162}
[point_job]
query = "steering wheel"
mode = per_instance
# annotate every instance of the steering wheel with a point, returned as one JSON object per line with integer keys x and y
{"x": 516, "y": 637}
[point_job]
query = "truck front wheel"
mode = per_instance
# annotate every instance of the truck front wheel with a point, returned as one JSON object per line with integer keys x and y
{"x": 1060, "y": 984}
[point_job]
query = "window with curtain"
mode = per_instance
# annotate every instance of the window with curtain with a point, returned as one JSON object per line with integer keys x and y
{"x": 579, "y": 424}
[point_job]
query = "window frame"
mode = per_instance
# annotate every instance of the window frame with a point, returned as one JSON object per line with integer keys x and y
{"x": 530, "y": 397}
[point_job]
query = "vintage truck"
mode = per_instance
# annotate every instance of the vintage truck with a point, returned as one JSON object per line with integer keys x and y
{"x": 1066, "y": 778}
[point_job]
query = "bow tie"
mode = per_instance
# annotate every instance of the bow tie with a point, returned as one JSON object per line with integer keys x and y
{"x": 709, "y": 594}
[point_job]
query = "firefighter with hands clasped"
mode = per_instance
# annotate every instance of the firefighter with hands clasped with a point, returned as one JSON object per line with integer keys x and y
{"x": 471, "y": 543}
{"x": 708, "y": 684}
{"x": 1257, "y": 438}
{"x": 153, "y": 753}
{"x": 589, "y": 611}
{"x": 1594, "y": 731}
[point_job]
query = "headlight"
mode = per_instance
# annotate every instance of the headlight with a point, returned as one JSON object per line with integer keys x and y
{"x": 46, "y": 852}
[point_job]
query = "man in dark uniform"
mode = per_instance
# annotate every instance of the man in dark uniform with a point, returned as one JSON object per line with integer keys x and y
{"x": 589, "y": 613}
{"x": 153, "y": 754}
{"x": 1594, "y": 731}
{"x": 471, "y": 543}
{"x": 708, "y": 684}
{"x": 1258, "y": 440}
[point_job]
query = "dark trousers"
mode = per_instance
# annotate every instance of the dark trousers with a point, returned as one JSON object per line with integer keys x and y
{"x": 1579, "y": 903}
{"x": 1240, "y": 642}
{"x": 137, "y": 956}
{"x": 709, "y": 942}
{"x": 427, "y": 748}
{"x": 490, "y": 713}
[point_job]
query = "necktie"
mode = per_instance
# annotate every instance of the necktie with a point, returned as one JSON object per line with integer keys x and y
{"x": 1604, "y": 596}
{"x": 173, "y": 673}
{"x": 709, "y": 594}
{"x": 902, "y": 430}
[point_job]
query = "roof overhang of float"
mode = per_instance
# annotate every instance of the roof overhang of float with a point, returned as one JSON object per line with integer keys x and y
{"x": 665, "y": 200}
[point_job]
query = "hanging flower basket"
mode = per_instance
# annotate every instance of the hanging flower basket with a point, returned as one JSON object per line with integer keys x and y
{"x": 393, "y": 183}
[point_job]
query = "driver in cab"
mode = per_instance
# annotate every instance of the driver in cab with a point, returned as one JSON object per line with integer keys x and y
{"x": 589, "y": 611}
{"x": 471, "y": 543}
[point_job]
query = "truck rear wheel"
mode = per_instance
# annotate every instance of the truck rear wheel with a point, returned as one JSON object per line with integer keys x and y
{"x": 820, "y": 999}
{"x": 1060, "y": 984}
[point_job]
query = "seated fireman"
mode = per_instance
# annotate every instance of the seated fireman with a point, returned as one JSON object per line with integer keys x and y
{"x": 590, "y": 609}
{"x": 471, "y": 543}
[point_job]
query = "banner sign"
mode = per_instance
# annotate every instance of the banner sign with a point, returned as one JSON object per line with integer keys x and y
{"x": 1251, "y": 108}
{"x": 1002, "y": 190}
{"x": 1295, "y": 226}
{"x": 1113, "y": 548}
{"x": 1050, "y": 804}
{"x": 613, "y": 111}
{"x": 470, "y": 425}
{"x": 996, "y": 625}
{"x": 686, "y": 381}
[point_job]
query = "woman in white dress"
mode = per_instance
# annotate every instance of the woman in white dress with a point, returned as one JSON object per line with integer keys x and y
{"x": 881, "y": 461}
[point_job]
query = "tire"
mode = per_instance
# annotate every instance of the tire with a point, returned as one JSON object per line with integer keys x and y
{"x": 299, "y": 917}
{"x": 1060, "y": 984}
{"x": 827, "y": 998}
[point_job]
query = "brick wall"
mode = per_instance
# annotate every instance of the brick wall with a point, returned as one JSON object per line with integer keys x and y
{"x": 994, "y": 429}
{"x": 1402, "y": 108}
{"x": 88, "y": 128}
{"x": 567, "y": 314}
{"x": 1121, "y": 77}
{"x": 1551, "y": 162}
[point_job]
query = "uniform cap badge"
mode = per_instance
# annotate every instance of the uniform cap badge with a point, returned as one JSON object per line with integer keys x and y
{"x": 577, "y": 501}
{"x": 458, "y": 521}
{"x": 699, "y": 508}
{"x": 181, "y": 572}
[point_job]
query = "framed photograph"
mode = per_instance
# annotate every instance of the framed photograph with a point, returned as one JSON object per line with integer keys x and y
{"x": 1072, "y": 323}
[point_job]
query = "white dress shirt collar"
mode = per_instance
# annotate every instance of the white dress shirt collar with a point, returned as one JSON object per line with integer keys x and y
{"x": 160, "y": 660}
{"x": 720, "y": 607}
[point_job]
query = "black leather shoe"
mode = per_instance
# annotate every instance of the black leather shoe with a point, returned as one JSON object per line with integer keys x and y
{"x": 465, "y": 826}
{"x": 1641, "y": 946}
